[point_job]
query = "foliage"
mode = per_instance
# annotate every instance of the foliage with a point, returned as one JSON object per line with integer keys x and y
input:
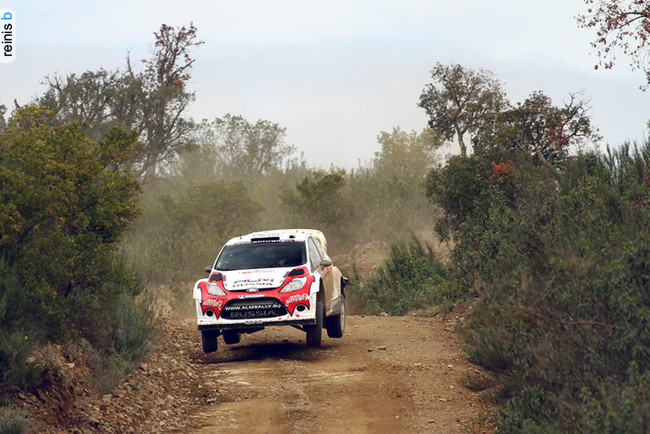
{"x": 317, "y": 200}
{"x": 171, "y": 60}
{"x": 13, "y": 421}
{"x": 151, "y": 103}
{"x": 64, "y": 198}
{"x": 128, "y": 339}
{"x": 195, "y": 226}
{"x": 405, "y": 158}
{"x": 15, "y": 347}
{"x": 235, "y": 148}
{"x": 623, "y": 25}
{"x": 387, "y": 196}
{"x": 65, "y": 202}
{"x": 539, "y": 128}
{"x": 460, "y": 99}
{"x": 458, "y": 188}
{"x": 558, "y": 258}
{"x": 3, "y": 112}
{"x": 411, "y": 278}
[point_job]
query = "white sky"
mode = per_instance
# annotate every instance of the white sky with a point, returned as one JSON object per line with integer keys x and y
{"x": 334, "y": 73}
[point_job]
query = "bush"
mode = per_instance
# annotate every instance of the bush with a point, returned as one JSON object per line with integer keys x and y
{"x": 560, "y": 261}
{"x": 411, "y": 278}
{"x": 128, "y": 329}
{"x": 13, "y": 421}
{"x": 64, "y": 202}
{"x": 131, "y": 327}
{"x": 15, "y": 342}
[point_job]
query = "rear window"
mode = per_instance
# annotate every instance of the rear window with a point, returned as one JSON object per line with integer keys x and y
{"x": 261, "y": 255}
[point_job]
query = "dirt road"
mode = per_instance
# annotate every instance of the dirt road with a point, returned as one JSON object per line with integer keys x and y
{"x": 388, "y": 374}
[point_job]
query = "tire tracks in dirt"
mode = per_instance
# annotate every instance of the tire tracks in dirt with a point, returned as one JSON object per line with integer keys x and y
{"x": 387, "y": 374}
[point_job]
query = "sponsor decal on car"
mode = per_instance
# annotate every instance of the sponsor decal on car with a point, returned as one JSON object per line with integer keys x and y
{"x": 261, "y": 305}
{"x": 213, "y": 303}
{"x": 252, "y": 282}
{"x": 259, "y": 313}
{"x": 245, "y": 296}
{"x": 296, "y": 298}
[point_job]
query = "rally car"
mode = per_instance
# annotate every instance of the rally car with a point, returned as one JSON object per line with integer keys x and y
{"x": 282, "y": 278}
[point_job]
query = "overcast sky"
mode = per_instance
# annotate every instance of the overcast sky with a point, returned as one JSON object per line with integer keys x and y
{"x": 334, "y": 73}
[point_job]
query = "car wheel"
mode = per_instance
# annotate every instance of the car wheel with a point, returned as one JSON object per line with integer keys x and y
{"x": 315, "y": 332}
{"x": 231, "y": 337}
{"x": 336, "y": 324}
{"x": 209, "y": 340}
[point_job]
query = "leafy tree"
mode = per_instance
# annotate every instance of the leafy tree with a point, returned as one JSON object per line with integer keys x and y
{"x": 317, "y": 199}
{"x": 64, "y": 203}
{"x": 171, "y": 61}
{"x": 163, "y": 128}
{"x": 619, "y": 24}
{"x": 237, "y": 147}
{"x": 215, "y": 209}
{"x": 151, "y": 103}
{"x": 460, "y": 99}
{"x": 392, "y": 183}
{"x": 98, "y": 99}
{"x": 538, "y": 128}
{"x": 3, "y": 112}
{"x": 173, "y": 245}
{"x": 556, "y": 257}
{"x": 459, "y": 188}
{"x": 406, "y": 155}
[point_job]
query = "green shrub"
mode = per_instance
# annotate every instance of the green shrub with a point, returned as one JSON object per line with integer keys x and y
{"x": 16, "y": 343}
{"x": 15, "y": 371}
{"x": 131, "y": 327}
{"x": 560, "y": 261}
{"x": 127, "y": 339}
{"x": 411, "y": 278}
{"x": 13, "y": 421}
{"x": 64, "y": 202}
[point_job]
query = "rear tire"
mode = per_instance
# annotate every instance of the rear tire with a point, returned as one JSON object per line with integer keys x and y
{"x": 231, "y": 337}
{"x": 336, "y": 324}
{"x": 315, "y": 332}
{"x": 209, "y": 340}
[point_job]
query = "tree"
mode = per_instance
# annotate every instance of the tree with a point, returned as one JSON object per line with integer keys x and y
{"x": 317, "y": 199}
{"x": 152, "y": 103}
{"x": 406, "y": 155}
{"x": 241, "y": 148}
{"x": 200, "y": 221}
{"x": 459, "y": 99}
{"x": 171, "y": 60}
{"x": 538, "y": 128}
{"x": 163, "y": 128}
{"x": 99, "y": 100}
{"x": 65, "y": 201}
{"x": 3, "y": 112}
{"x": 622, "y": 24}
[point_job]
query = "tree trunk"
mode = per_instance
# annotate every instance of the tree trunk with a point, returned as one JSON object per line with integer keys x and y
{"x": 461, "y": 142}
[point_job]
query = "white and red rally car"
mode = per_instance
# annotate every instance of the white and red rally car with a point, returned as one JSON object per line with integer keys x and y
{"x": 281, "y": 277}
